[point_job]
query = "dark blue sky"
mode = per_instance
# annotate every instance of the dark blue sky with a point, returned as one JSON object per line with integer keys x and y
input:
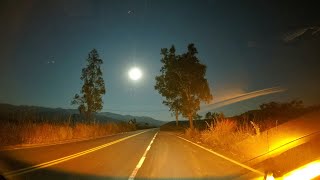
{"x": 246, "y": 45}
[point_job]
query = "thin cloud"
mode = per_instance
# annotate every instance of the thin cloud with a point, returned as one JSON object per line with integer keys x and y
{"x": 316, "y": 31}
{"x": 289, "y": 37}
{"x": 243, "y": 97}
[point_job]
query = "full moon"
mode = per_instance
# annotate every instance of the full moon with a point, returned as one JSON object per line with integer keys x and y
{"x": 135, "y": 73}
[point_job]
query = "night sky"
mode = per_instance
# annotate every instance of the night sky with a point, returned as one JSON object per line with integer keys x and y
{"x": 246, "y": 45}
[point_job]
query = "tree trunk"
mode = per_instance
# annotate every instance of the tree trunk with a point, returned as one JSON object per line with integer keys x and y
{"x": 177, "y": 115}
{"x": 88, "y": 117}
{"x": 191, "y": 122}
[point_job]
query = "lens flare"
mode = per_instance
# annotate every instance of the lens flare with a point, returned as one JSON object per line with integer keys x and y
{"x": 270, "y": 177}
{"x": 306, "y": 172}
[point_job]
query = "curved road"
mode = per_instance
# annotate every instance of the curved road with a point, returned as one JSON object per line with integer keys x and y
{"x": 147, "y": 154}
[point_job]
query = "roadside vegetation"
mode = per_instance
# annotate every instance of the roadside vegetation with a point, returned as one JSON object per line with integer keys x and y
{"x": 222, "y": 133}
{"x": 34, "y": 129}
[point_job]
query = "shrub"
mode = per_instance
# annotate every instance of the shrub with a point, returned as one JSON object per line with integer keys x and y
{"x": 192, "y": 133}
{"x": 223, "y": 133}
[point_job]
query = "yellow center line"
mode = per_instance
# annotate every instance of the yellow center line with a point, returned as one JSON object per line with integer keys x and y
{"x": 66, "y": 158}
{"x": 224, "y": 157}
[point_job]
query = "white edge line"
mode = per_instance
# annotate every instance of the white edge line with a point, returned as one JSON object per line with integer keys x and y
{"x": 224, "y": 157}
{"x": 135, "y": 171}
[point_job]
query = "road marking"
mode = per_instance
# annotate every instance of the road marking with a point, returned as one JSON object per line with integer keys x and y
{"x": 29, "y": 146}
{"x": 135, "y": 171}
{"x": 63, "y": 159}
{"x": 224, "y": 157}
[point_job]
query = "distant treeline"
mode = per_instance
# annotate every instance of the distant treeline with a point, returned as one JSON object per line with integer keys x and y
{"x": 277, "y": 111}
{"x": 267, "y": 116}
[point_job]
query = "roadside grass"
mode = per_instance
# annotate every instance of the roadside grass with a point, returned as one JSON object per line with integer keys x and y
{"x": 30, "y": 132}
{"x": 222, "y": 133}
{"x": 244, "y": 141}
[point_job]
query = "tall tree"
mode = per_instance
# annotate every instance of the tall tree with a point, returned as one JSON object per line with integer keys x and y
{"x": 90, "y": 98}
{"x": 165, "y": 82}
{"x": 182, "y": 81}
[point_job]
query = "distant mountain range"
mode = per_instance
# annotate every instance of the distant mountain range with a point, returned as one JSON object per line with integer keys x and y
{"x": 10, "y": 112}
{"x": 139, "y": 119}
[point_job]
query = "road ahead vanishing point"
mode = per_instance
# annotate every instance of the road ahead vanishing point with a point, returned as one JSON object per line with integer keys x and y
{"x": 147, "y": 154}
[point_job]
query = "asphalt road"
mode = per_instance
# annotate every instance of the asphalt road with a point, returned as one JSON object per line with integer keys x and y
{"x": 150, "y": 154}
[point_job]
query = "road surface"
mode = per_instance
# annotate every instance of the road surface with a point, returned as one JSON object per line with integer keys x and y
{"x": 146, "y": 154}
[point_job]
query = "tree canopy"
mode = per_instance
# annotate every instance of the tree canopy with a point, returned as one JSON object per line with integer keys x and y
{"x": 166, "y": 82}
{"x": 182, "y": 82}
{"x": 90, "y": 98}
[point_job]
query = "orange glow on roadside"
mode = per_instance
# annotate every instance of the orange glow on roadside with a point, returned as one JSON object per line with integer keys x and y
{"x": 308, "y": 171}
{"x": 282, "y": 144}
